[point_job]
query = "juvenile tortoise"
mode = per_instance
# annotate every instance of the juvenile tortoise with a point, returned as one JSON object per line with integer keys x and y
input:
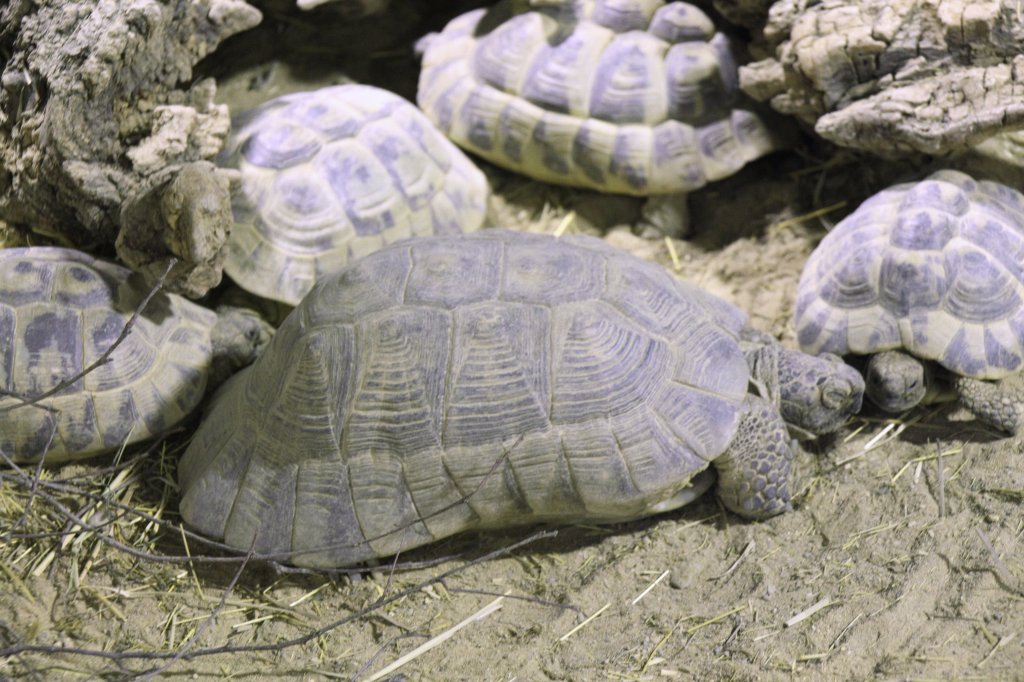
{"x": 490, "y": 379}
{"x": 60, "y": 310}
{"x": 635, "y": 97}
{"x": 336, "y": 173}
{"x": 928, "y": 279}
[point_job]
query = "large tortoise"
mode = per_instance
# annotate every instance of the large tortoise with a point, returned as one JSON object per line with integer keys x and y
{"x": 635, "y": 97}
{"x": 336, "y": 173}
{"x": 928, "y": 279}
{"x": 497, "y": 378}
{"x": 60, "y": 310}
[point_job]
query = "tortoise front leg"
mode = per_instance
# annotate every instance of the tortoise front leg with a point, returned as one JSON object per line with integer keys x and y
{"x": 1000, "y": 404}
{"x": 754, "y": 472}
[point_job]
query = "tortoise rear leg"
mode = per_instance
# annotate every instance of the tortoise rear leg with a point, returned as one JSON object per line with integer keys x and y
{"x": 754, "y": 472}
{"x": 1000, "y": 404}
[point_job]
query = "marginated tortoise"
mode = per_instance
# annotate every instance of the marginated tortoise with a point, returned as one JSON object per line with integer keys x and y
{"x": 333, "y": 174}
{"x": 928, "y": 279}
{"x": 635, "y": 97}
{"x": 60, "y": 310}
{"x": 496, "y": 378}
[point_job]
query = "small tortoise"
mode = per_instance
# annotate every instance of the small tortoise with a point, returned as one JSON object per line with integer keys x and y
{"x": 634, "y": 97}
{"x": 496, "y": 378}
{"x": 60, "y": 310}
{"x": 928, "y": 279}
{"x": 336, "y": 173}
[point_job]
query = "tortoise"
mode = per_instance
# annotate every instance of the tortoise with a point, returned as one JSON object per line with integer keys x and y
{"x": 60, "y": 310}
{"x": 496, "y": 378}
{"x": 336, "y": 173}
{"x": 926, "y": 278}
{"x": 635, "y": 97}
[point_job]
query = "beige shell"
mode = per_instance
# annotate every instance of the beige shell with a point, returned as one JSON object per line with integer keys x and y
{"x": 334, "y": 174}
{"x": 934, "y": 267}
{"x": 60, "y": 310}
{"x": 620, "y": 96}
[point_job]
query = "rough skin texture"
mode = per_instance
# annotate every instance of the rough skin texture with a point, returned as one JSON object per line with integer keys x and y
{"x": 815, "y": 393}
{"x": 897, "y": 381}
{"x": 754, "y": 471}
{"x": 94, "y": 114}
{"x": 1000, "y": 404}
{"x": 895, "y": 77}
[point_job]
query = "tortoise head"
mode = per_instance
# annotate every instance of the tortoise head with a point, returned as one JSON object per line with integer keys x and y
{"x": 818, "y": 393}
{"x": 897, "y": 381}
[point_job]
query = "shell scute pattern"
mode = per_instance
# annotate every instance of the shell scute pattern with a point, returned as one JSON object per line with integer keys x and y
{"x": 585, "y": 94}
{"x": 382, "y": 417}
{"x": 933, "y": 268}
{"x": 60, "y": 310}
{"x": 334, "y": 174}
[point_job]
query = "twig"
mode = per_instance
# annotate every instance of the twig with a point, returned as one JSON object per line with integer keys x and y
{"x": 439, "y": 639}
{"x": 808, "y": 612}
{"x": 284, "y": 644}
{"x": 183, "y": 650}
{"x": 743, "y": 555}
{"x": 650, "y": 587}
{"x": 584, "y": 623}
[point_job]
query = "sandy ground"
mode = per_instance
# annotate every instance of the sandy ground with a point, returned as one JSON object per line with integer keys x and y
{"x": 903, "y": 558}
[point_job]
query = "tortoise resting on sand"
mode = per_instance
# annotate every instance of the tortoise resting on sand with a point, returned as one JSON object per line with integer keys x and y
{"x": 60, "y": 310}
{"x": 928, "y": 279}
{"x": 336, "y": 173}
{"x": 635, "y": 97}
{"x": 496, "y": 378}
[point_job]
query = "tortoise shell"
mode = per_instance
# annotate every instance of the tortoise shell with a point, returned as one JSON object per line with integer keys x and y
{"x": 534, "y": 378}
{"x": 333, "y": 174}
{"x": 60, "y": 310}
{"x": 934, "y": 267}
{"x": 632, "y": 97}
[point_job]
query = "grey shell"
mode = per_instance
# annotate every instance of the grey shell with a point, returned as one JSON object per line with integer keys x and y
{"x": 59, "y": 311}
{"x": 629, "y": 97}
{"x": 934, "y": 267}
{"x": 541, "y": 379}
{"x": 334, "y": 174}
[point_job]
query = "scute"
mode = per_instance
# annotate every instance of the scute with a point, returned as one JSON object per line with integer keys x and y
{"x": 440, "y": 369}
{"x": 60, "y": 310}
{"x": 334, "y": 174}
{"x": 574, "y": 93}
{"x": 932, "y": 267}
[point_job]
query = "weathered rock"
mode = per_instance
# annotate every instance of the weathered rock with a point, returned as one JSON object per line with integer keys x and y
{"x": 930, "y": 76}
{"x": 98, "y": 113}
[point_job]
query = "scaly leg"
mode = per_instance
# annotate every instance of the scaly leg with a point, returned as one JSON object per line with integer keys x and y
{"x": 754, "y": 471}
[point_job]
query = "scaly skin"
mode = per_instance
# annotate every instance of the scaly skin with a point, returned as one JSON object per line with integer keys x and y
{"x": 817, "y": 394}
{"x": 1000, "y": 404}
{"x": 754, "y": 472}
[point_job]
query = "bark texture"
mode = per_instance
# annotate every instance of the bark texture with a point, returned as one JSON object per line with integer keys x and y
{"x": 99, "y": 114}
{"x": 930, "y": 76}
